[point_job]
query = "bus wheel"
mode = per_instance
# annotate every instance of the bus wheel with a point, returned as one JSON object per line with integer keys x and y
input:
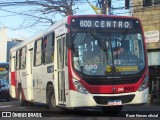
{"x": 111, "y": 110}
{"x": 21, "y": 101}
{"x": 51, "y": 99}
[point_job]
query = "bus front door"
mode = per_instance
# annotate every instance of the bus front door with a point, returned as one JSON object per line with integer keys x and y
{"x": 60, "y": 70}
{"x": 29, "y": 74}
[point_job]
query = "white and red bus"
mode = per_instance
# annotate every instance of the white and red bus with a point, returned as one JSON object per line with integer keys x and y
{"x": 73, "y": 64}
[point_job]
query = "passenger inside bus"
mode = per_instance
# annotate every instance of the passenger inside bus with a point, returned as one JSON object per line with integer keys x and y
{"x": 118, "y": 51}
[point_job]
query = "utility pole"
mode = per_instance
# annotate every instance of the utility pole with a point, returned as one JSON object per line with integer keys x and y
{"x": 95, "y": 8}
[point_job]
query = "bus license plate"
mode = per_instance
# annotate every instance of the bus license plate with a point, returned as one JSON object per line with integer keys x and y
{"x": 114, "y": 102}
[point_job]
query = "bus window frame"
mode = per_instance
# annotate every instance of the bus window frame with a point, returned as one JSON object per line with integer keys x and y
{"x": 17, "y": 66}
{"x": 20, "y": 58}
{"x": 35, "y": 48}
{"x": 44, "y": 49}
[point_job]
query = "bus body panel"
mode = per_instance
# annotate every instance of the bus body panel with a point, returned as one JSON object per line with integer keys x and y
{"x": 12, "y": 75}
{"x": 101, "y": 89}
{"x": 34, "y": 85}
{"x": 13, "y": 85}
{"x": 23, "y": 79}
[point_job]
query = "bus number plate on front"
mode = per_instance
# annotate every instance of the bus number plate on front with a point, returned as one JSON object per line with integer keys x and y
{"x": 114, "y": 102}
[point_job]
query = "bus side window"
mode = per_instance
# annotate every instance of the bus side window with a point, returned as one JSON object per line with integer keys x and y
{"x": 53, "y": 40}
{"x": 17, "y": 60}
{"x": 23, "y": 58}
{"x": 48, "y": 48}
{"x": 38, "y": 53}
{"x": 12, "y": 63}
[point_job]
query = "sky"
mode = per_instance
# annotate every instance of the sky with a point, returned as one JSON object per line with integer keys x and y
{"x": 12, "y": 21}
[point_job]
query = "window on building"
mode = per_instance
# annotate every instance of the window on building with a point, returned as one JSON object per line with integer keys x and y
{"x": 156, "y": 2}
{"x": 150, "y": 2}
{"x": 23, "y": 58}
{"x": 147, "y": 3}
{"x": 48, "y": 48}
{"x": 38, "y": 53}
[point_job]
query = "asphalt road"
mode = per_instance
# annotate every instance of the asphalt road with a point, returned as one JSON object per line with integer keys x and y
{"x": 41, "y": 110}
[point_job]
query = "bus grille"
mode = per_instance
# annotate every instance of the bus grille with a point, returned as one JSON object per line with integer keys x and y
{"x": 111, "y": 81}
{"x": 105, "y": 99}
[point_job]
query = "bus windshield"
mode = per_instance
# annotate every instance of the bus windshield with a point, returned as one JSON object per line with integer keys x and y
{"x": 108, "y": 53}
{"x": 4, "y": 72}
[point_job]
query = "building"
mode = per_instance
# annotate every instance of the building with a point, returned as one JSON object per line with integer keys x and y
{"x": 3, "y": 44}
{"x": 6, "y": 45}
{"x": 10, "y": 44}
{"x": 149, "y": 13}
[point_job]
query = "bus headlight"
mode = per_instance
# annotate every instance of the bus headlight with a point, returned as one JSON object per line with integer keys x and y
{"x": 144, "y": 84}
{"x": 80, "y": 88}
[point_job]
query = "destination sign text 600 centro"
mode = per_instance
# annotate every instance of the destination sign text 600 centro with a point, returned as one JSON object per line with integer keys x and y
{"x": 86, "y": 23}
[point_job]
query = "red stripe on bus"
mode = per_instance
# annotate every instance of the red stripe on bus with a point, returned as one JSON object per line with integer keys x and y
{"x": 13, "y": 79}
{"x": 108, "y": 89}
{"x": 70, "y": 71}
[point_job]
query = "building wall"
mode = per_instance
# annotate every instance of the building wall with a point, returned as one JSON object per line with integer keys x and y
{"x": 3, "y": 44}
{"x": 150, "y": 17}
{"x": 10, "y": 44}
{"x": 6, "y": 45}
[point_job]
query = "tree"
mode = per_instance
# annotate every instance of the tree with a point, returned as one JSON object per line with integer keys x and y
{"x": 36, "y": 12}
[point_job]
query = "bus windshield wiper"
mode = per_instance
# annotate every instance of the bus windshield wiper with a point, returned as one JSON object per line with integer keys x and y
{"x": 99, "y": 41}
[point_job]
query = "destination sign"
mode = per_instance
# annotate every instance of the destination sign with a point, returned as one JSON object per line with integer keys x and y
{"x": 116, "y": 23}
{"x": 104, "y": 24}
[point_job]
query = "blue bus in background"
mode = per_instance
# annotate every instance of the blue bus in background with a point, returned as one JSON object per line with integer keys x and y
{"x": 4, "y": 81}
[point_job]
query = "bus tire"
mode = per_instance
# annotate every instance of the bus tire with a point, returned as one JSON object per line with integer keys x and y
{"x": 111, "y": 110}
{"x": 21, "y": 101}
{"x": 51, "y": 99}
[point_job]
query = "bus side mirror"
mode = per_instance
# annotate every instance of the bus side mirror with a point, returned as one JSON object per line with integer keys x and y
{"x": 68, "y": 40}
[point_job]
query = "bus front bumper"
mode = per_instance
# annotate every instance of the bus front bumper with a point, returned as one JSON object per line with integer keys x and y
{"x": 91, "y": 100}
